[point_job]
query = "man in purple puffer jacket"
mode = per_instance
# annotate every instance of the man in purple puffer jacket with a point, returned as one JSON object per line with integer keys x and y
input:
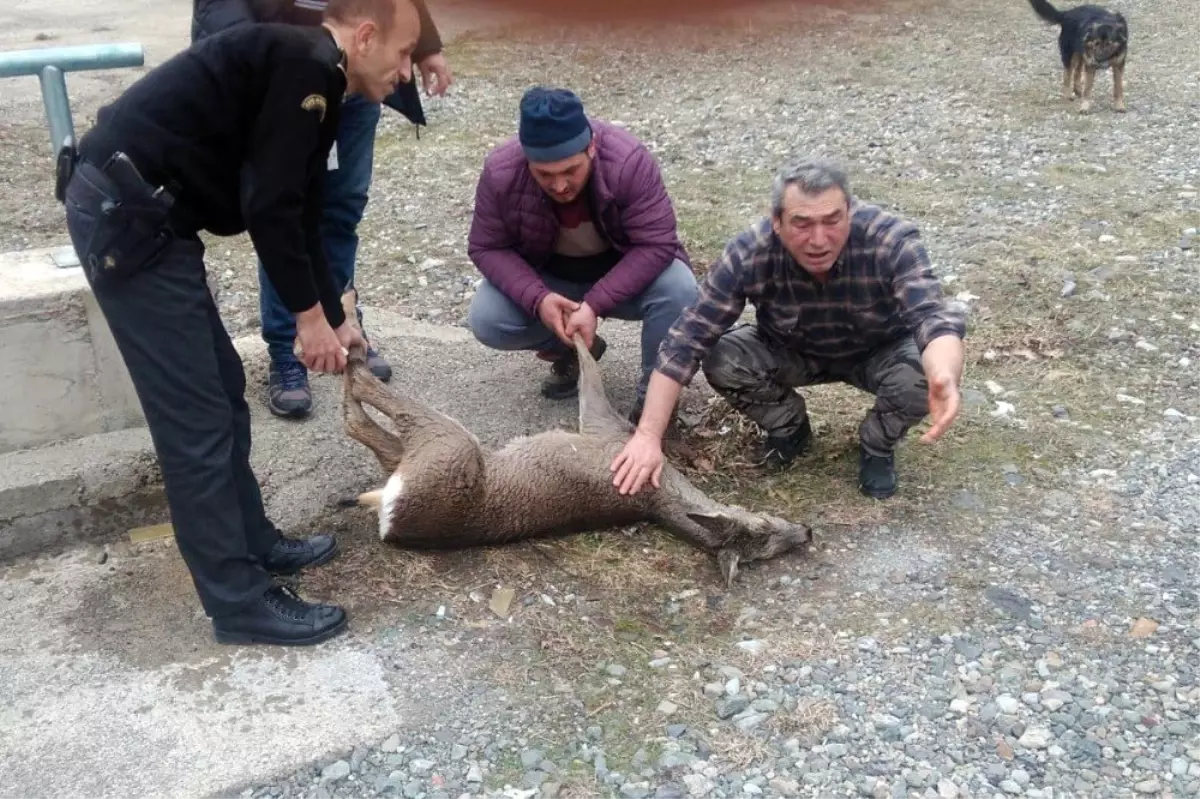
{"x": 572, "y": 222}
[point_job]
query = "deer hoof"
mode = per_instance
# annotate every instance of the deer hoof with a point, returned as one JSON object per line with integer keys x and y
{"x": 727, "y": 560}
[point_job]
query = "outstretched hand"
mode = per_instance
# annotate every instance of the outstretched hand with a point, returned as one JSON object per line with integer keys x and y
{"x": 944, "y": 401}
{"x": 943, "y": 363}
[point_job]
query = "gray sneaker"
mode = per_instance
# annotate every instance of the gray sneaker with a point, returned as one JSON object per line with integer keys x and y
{"x": 378, "y": 365}
{"x": 288, "y": 394}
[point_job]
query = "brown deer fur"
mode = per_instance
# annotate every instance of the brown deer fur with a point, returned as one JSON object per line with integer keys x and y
{"x": 445, "y": 491}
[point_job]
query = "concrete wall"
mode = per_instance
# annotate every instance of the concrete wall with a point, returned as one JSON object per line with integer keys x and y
{"x": 62, "y": 375}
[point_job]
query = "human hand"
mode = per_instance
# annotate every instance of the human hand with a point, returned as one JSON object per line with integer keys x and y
{"x": 944, "y": 401}
{"x": 434, "y": 67}
{"x": 553, "y": 310}
{"x": 582, "y": 320}
{"x": 318, "y": 346}
{"x": 943, "y": 363}
{"x": 639, "y": 461}
{"x": 350, "y": 336}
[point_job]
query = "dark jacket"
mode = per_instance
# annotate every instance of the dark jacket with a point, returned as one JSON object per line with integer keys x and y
{"x": 210, "y": 16}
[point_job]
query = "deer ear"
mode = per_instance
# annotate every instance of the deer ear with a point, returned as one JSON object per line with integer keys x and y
{"x": 716, "y": 522}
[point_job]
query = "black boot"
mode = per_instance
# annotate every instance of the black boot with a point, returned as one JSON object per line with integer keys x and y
{"x": 280, "y": 617}
{"x": 780, "y": 451}
{"x": 290, "y": 555}
{"x": 876, "y": 474}
{"x": 563, "y": 380}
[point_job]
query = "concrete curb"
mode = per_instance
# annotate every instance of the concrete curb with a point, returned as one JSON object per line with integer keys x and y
{"x": 98, "y": 487}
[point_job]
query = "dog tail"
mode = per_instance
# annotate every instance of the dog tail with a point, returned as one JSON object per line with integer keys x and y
{"x": 1046, "y": 11}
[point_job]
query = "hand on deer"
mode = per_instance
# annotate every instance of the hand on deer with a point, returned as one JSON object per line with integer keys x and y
{"x": 583, "y": 321}
{"x": 553, "y": 310}
{"x": 351, "y": 336}
{"x": 639, "y": 461}
{"x": 317, "y": 345}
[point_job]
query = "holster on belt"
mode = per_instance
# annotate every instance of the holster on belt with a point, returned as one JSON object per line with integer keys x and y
{"x": 131, "y": 229}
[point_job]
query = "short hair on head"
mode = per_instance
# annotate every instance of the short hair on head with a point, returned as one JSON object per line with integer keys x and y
{"x": 811, "y": 176}
{"x": 381, "y": 12}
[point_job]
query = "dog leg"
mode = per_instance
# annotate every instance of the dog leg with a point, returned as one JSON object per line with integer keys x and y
{"x": 1069, "y": 77}
{"x": 1089, "y": 78}
{"x": 1118, "y": 76}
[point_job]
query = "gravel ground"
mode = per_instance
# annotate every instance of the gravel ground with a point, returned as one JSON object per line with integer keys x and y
{"x": 1023, "y": 618}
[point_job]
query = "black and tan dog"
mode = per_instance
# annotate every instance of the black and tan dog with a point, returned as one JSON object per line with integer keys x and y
{"x": 1091, "y": 38}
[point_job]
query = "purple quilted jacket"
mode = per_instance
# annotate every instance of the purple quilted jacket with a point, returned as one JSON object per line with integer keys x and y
{"x": 514, "y": 228}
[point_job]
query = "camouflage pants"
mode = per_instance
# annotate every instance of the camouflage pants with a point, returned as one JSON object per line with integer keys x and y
{"x": 757, "y": 378}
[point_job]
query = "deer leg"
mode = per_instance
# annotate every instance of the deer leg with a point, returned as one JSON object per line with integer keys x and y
{"x": 388, "y": 448}
{"x": 596, "y": 414}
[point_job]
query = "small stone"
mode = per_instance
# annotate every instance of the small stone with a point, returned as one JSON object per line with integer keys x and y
{"x": 753, "y": 647}
{"x": 335, "y": 771}
{"x": 1179, "y": 766}
{"x": 750, "y": 720}
{"x": 390, "y": 745}
{"x": 784, "y": 787}
{"x": 421, "y": 766}
{"x": 714, "y": 689}
{"x": 667, "y": 708}
{"x": 615, "y": 670}
{"x": 474, "y": 774}
{"x": 728, "y": 708}
{"x": 1009, "y": 786}
{"x": 960, "y": 706}
{"x": 947, "y": 790}
{"x": 1035, "y": 738}
{"x": 531, "y": 758}
{"x": 867, "y": 644}
{"x": 697, "y": 784}
{"x": 1007, "y": 704}
{"x": 1148, "y": 786}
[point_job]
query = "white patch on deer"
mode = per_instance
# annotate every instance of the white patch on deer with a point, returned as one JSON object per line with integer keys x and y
{"x": 391, "y": 493}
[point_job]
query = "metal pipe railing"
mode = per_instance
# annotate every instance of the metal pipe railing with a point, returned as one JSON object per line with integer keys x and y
{"x": 51, "y": 64}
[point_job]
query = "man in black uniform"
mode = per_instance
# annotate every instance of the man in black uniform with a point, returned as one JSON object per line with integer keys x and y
{"x": 231, "y": 135}
{"x": 346, "y": 185}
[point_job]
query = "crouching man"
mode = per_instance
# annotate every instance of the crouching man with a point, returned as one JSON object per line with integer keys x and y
{"x": 571, "y": 223}
{"x": 843, "y": 292}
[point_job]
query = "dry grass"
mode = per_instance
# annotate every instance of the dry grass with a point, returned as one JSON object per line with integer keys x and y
{"x": 812, "y": 718}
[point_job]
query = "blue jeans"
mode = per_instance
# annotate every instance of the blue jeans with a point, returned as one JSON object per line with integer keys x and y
{"x": 345, "y": 191}
{"x": 501, "y": 324}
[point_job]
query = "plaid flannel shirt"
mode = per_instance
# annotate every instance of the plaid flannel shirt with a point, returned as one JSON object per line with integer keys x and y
{"x": 881, "y": 288}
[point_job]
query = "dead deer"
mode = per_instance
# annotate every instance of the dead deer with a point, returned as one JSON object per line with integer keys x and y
{"x": 445, "y": 491}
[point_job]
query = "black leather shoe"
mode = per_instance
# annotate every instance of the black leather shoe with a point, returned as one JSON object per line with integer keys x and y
{"x": 876, "y": 474}
{"x": 280, "y": 617}
{"x": 290, "y": 555}
{"x": 780, "y": 451}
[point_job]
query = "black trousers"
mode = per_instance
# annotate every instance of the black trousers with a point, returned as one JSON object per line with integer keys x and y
{"x": 191, "y": 385}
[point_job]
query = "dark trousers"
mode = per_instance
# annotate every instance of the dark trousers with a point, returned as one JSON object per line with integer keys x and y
{"x": 758, "y": 379}
{"x": 191, "y": 385}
